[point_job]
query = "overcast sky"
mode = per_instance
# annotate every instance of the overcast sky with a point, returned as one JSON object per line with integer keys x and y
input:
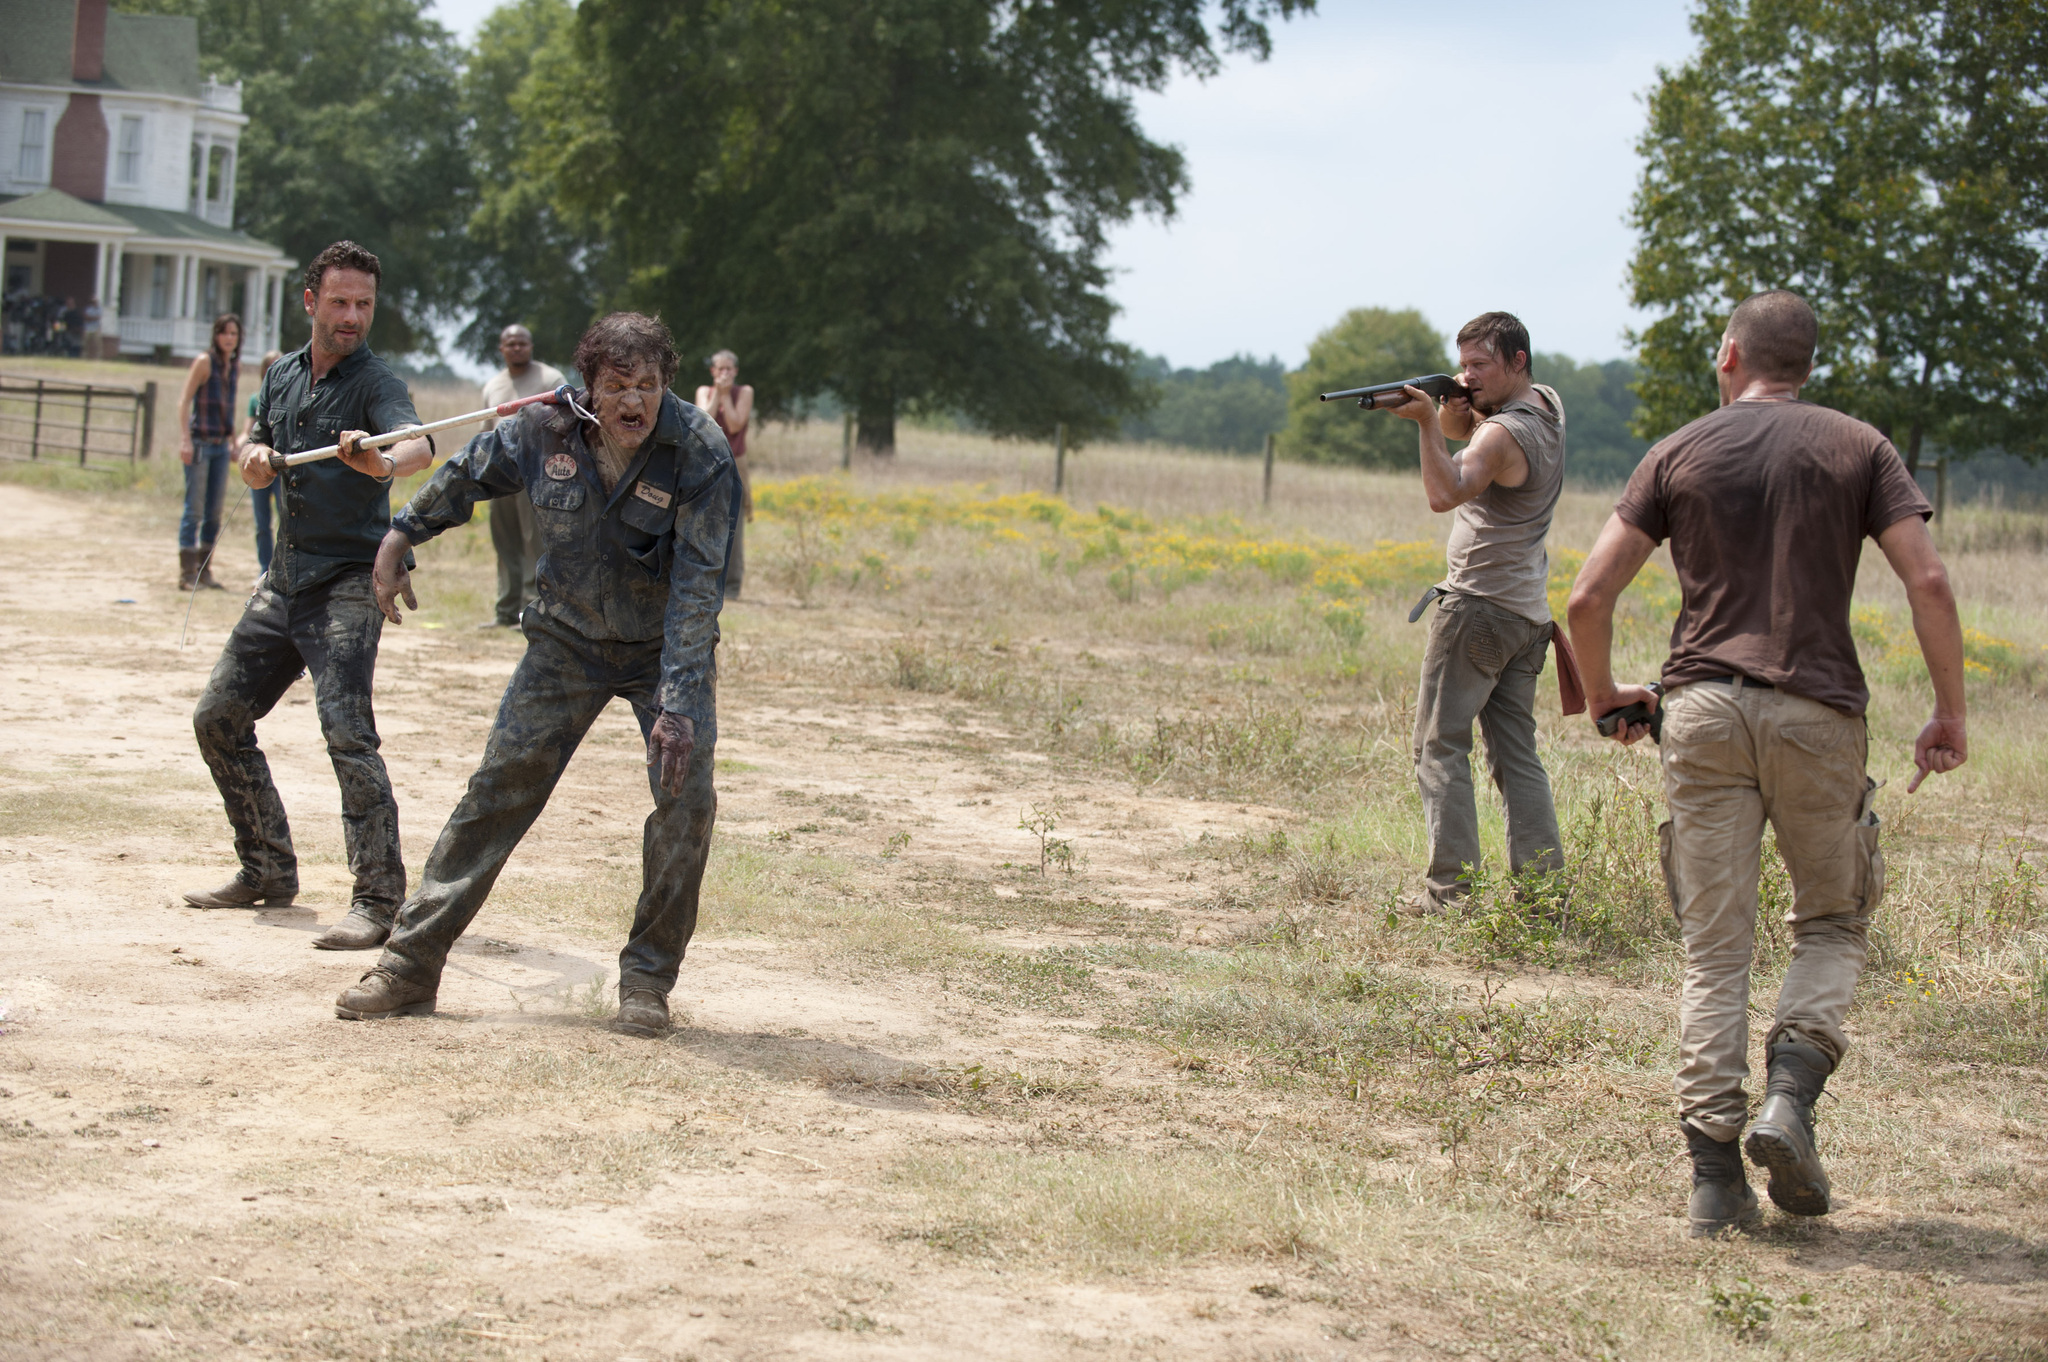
{"x": 1453, "y": 158}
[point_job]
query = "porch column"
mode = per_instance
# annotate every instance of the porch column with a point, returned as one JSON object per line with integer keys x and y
{"x": 274, "y": 290}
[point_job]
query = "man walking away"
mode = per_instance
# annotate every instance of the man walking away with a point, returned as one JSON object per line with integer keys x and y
{"x": 1766, "y": 503}
{"x": 316, "y": 611}
{"x": 636, "y": 507}
{"x": 1487, "y": 643}
{"x": 515, "y": 534}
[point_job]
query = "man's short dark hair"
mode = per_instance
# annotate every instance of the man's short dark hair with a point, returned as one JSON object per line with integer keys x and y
{"x": 623, "y": 341}
{"x": 343, "y": 255}
{"x": 1502, "y": 333}
{"x": 1776, "y": 332}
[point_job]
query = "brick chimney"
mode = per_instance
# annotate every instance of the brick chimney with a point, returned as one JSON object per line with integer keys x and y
{"x": 89, "y": 40}
{"x": 78, "y": 159}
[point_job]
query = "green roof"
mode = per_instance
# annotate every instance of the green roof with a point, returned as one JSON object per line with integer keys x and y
{"x": 56, "y": 206}
{"x": 146, "y": 53}
{"x": 162, "y": 222}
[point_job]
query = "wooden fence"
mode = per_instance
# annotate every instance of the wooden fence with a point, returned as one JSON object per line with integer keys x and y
{"x": 45, "y": 420}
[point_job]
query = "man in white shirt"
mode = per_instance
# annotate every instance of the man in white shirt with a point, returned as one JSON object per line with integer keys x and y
{"x": 514, "y": 531}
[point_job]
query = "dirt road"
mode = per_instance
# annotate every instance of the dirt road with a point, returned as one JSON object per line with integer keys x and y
{"x": 203, "y": 1161}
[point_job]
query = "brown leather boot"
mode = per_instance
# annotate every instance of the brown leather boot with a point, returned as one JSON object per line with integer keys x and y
{"x": 243, "y": 892}
{"x": 188, "y": 569}
{"x": 365, "y": 927}
{"x": 642, "y": 1012}
{"x": 205, "y": 578}
{"x": 380, "y": 994}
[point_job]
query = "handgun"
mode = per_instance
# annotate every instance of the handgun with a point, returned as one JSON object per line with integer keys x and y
{"x": 1438, "y": 386}
{"x": 1611, "y": 722}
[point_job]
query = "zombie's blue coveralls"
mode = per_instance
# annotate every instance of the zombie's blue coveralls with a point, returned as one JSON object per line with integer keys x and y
{"x": 313, "y": 612}
{"x": 630, "y": 583}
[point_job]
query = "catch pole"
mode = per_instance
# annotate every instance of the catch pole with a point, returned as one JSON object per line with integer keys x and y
{"x": 558, "y": 397}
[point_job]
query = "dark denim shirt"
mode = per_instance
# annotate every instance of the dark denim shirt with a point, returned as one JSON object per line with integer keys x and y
{"x": 646, "y": 562}
{"x": 330, "y": 517}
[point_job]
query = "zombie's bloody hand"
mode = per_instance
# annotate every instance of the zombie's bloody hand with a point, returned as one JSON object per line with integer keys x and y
{"x": 669, "y": 744}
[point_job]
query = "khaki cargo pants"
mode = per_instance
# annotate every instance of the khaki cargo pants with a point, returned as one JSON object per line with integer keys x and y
{"x": 1736, "y": 755}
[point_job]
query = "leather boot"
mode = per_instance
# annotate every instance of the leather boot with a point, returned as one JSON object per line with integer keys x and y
{"x": 380, "y": 994}
{"x": 188, "y": 569}
{"x": 365, "y": 927}
{"x": 1781, "y": 1138}
{"x": 642, "y": 1012}
{"x": 243, "y": 892}
{"x": 1721, "y": 1195}
{"x": 205, "y": 578}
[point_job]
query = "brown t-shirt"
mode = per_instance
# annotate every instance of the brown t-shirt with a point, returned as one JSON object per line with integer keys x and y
{"x": 1766, "y": 505}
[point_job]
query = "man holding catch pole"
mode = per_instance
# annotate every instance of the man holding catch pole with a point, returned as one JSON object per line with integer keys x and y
{"x": 636, "y": 493}
{"x": 1766, "y": 502}
{"x": 315, "y": 612}
{"x": 1487, "y": 643}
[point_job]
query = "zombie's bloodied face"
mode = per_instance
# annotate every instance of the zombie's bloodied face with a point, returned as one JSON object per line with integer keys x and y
{"x": 628, "y": 404}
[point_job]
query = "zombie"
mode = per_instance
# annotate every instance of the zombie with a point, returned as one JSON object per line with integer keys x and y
{"x": 1766, "y": 503}
{"x": 635, "y": 493}
{"x": 315, "y": 612}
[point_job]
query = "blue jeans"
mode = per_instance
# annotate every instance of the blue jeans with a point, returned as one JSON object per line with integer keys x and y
{"x": 206, "y": 486}
{"x": 259, "y": 503}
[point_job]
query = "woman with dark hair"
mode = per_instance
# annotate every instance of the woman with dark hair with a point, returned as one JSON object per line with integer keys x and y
{"x": 206, "y": 415}
{"x": 259, "y": 498}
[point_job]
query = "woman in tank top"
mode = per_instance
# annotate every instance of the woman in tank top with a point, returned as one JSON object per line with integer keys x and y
{"x": 207, "y": 409}
{"x": 730, "y": 403}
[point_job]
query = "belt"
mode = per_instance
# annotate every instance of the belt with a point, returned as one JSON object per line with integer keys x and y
{"x": 1739, "y": 681}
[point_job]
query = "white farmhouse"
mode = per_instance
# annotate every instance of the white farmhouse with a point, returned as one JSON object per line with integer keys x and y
{"x": 117, "y": 178}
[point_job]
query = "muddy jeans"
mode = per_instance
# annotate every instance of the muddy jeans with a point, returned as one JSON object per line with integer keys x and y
{"x": 1736, "y": 755}
{"x": 1481, "y": 663}
{"x": 557, "y": 691}
{"x": 330, "y": 630}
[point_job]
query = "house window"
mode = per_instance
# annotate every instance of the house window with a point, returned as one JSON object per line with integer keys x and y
{"x": 128, "y": 151}
{"x": 30, "y": 165}
{"x": 216, "y": 174}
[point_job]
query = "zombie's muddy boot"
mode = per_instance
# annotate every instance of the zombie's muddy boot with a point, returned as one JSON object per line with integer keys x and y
{"x": 188, "y": 569}
{"x": 642, "y": 1012}
{"x": 243, "y": 892}
{"x": 380, "y": 994}
{"x": 1781, "y": 1138}
{"x": 365, "y": 928}
{"x": 1721, "y": 1194}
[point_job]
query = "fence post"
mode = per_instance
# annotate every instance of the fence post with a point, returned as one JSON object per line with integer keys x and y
{"x": 1059, "y": 461}
{"x": 35, "y": 435}
{"x": 1268, "y": 499}
{"x": 846, "y": 443}
{"x": 84, "y": 424}
{"x": 148, "y": 417}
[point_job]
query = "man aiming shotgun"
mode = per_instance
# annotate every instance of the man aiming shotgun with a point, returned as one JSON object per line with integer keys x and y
{"x": 635, "y": 493}
{"x": 315, "y": 611}
{"x": 1492, "y": 629}
{"x": 1766, "y": 503}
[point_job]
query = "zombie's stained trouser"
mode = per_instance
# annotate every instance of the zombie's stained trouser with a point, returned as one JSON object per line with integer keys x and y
{"x": 515, "y": 534}
{"x": 330, "y": 631}
{"x": 557, "y": 691}
{"x": 1736, "y": 755}
{"x": 1481, "y": 664}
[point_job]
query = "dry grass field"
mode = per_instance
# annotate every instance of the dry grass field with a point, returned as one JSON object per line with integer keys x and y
{"x": 1048, "y": 1000}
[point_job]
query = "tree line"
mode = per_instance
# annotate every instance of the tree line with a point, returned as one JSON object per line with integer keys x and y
{"x": 896, "y": 206}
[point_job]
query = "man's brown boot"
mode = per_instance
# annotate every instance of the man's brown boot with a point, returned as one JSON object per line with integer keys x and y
{"x": 642, "y": 1012}
{"x": 380, "y": 994}
{"x": 365, "y": 927}
{"x": 1781, "y": 1137}
{"x": 205, "y": 578}
{"x": 1721, "y": 1195}
{"x": 243, "y": 892}
{"x": 188, "y": 569}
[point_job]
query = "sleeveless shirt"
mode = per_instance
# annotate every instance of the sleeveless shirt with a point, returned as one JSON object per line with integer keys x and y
{"x": 213, "y": 406}
{"x": 1496, "y": 546}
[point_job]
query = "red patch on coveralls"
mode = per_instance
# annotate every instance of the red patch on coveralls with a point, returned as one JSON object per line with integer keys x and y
{"x": 561, "y": 467}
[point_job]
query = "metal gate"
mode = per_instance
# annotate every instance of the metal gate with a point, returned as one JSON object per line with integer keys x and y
{"x": 48, "y": 420}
